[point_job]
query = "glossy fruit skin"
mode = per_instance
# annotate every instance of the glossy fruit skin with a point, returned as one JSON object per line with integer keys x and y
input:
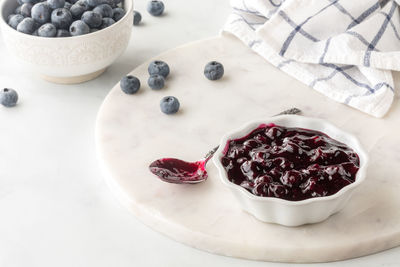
{"x": 158, "y": 67}
{"x": 47, "y": 30}
{"x": 92, "y": 19}
{"x": 8, "y": 97}
{"x": 130, "y": 84}
{"x": 156, "y": 82}
{"x": 79, "y": 27}
{"x": 137, "y": 17}
{"x": 27, "y": 25}
{"x": 155, "y": 7}
{"x": 61, "y": 18}
{"x": 169, "y": 105}
{"x": 41, "y": 12}
{"x": 214, "y": 70}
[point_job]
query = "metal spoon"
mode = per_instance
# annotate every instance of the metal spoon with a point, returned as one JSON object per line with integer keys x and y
{"x": 177, "y": 171}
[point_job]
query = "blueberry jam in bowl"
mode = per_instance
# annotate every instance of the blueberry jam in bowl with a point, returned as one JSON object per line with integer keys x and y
{"x": 291, "y": 170}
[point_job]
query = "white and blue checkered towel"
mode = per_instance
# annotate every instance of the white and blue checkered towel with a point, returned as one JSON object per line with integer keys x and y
{"x": 344, "y": 49}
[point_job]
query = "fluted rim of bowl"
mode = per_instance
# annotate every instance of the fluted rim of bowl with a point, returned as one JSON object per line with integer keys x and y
{"x": 248, "y": 127}
{"x": 54, "y": 39}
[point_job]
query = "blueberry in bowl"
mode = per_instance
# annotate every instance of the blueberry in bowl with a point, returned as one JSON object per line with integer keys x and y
{"x": 71, "y": 53}
{"x": 291, "y": 170}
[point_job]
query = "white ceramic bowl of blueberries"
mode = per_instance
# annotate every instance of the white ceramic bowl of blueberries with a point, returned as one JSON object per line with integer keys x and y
{"x": 66, "y": 41}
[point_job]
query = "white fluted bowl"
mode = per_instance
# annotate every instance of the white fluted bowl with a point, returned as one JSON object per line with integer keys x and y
{"x": 285, "y": 212}
{"x": 68, "y": 59}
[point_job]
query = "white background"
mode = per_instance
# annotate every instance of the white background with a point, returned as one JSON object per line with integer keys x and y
{"x": 55, "y": 209}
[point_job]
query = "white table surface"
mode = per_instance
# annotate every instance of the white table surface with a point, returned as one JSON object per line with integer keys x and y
{"x": 55, "y": 209}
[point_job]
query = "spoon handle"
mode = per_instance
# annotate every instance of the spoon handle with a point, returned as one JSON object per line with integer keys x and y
{"x": 290, "y": 111}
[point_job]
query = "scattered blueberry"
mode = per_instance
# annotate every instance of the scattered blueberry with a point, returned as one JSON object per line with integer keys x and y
{"x": 79, "y": 27}
{"x": 137, "y": 17}
{"x": 214, "y": 70}
{"x": 47, "y": 30}
{"x": 119, "y": 13}
{"x": 92, "y": 19}
{"x": 41, "y": 12}
{"x": 106, "y": 22}
{"x": 63, "y": 33}
{"x": 104, "y": 10}
{"x": 26, "y": 9}
{"x": 27, "y": 25}
{"x": 8, "y": 97}
{"x": 156, "y": 82}
{"x": 15, "y": 20}
{"x": 130, "y": 84}
{"x": 158, "y": 67}
{"x": 155, "y": 7}
{"x": 67, "y": 5}
{"x": 61, "y": 18}
{"x": 54, "y": 4}
{"x": 169, "y": 105}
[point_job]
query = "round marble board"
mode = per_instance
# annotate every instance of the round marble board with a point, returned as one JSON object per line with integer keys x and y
{"x": 131, "y": 132}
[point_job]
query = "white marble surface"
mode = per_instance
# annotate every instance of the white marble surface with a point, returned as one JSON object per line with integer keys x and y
{"x": 55, "y": 207}
{"x": 207, "y": 216}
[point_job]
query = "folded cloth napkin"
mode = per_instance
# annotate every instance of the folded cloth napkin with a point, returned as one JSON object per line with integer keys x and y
{"x": 344, "y": 49}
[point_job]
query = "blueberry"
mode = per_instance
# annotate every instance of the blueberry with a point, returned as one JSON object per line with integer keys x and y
{"x": 63, "y": 33}
{"x": 54, "y": 4}
{"x": 214, "y": 70}
{"x": 20, "y": 2}
{"x": 77, "y": 11}
{"x": 79, "y": 27}
{"x": 106, "y": 22}
{"x": 73, "y": 2}
{"x": 93, "y": 30}
{"x": 35, "y": 33}
{"x": 92, "y": 19}
{"x": 137, "y": 17}
{"x": 84, "y": 4}
{"x": 156, "y": 82}
{"x": 169, "y": 105}
{"x": 155, "y": 7}
{"x": 41, "y": 12}
{"x": 158, "y": 67}
{"x": 8, "y": 97}
{"x": 104, "y": 10}
{"x": 94, "y": 3}
{"x": 67, "y": 5}
{"x": 61, "y": 18}
{"x": 27, "y": 25}
{"x": 26, "y": 9}
{"x": 118, "y": 13}
{"x": 47, "y": 30}
{"x": 18, "y": 10}
{"x": 15, "y": 20}
{"x": 30, "y": 1}
{"x": 130, "y": 84}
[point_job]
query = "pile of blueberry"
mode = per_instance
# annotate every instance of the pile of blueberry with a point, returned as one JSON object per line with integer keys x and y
{"x": 63, "y": 18}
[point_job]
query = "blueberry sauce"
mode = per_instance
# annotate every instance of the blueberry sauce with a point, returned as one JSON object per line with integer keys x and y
{"x": 289, "y": 163}
{"x": 178, "y": 171}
